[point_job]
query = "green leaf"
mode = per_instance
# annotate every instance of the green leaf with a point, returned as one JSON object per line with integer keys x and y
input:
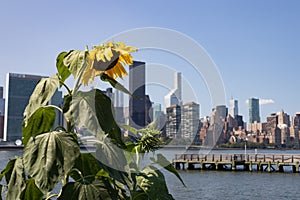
{"x": 42, "y": 93}
{"x": 113, "y": 161}
{"x": 152, "y": 125}
{"x": 130, "y": 128}
{"x": 85, "y": 191}
{"x": 116, "y": 135}
{"x": 93, "y": 110}
{"x": 114, "y": 83}
{"x": 8, "y": 170}
{"x": 138, "y": 195}
{"x": 17, "y": 181}
{"x": 87, "y": 164}
{"x": 153, "y": 183}
{"x": 75, "y": 60}
{"x": 162, "y": 161}
{"x": 40, "y": 121}
{"x": 62, "y": 69}
{"x": 31, "y": 191}
{"x": 48, "y": 156}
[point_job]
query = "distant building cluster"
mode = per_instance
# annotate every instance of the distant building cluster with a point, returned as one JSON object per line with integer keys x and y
{"x": 179, "y": 120}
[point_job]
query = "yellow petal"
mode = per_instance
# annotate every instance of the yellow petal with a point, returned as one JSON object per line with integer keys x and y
{"x": 100, "y": 55}
{"x": 108, "y": 53}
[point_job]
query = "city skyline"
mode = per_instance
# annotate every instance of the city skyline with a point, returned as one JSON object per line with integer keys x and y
{"x": 232, "y": 105}
{"x": 255, "y": 45}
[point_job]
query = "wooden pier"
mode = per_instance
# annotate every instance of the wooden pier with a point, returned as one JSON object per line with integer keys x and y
{"x": 238, "y": 162}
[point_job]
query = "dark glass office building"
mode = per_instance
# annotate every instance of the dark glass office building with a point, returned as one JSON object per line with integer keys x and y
{"x": 138, "y": 104}
{"x": 254, "y": 110}
{"x": 19, "y": 89}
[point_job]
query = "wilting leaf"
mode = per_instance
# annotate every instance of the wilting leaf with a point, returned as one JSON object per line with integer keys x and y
{"x": 8, "y": 170}
{"x": 42, "y": 93}
{"x": 75, "y": 61}
{"x": 48, "y": 156}
{"x": 93, "y": 110}
{"x": 31, "y": 192}
{"x": 40, "y": 121}
{"x": 162, "y": 161}
{"x": 85, "y": 191}
{"x": 17, "y": 181}
{"x": 153, "y": 183}
{"x": 114, "y": 83}
{"x": 62, "y": 69}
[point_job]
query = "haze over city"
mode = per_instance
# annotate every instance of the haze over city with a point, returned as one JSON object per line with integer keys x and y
{"x": 255, "y": 45}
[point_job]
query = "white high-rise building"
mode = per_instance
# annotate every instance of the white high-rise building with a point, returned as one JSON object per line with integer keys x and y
{"x": 174, "y": 96}
{"x": 189, "y": 120}
{"x": 233, "y": 107}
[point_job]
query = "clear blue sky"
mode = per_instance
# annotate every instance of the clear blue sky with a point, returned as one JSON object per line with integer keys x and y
{"x": 255, "y": 44}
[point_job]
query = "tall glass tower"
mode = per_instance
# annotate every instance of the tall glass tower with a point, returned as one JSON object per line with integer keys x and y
{"x": 233, "y": 107}
{"x": 254, "y": 110}
{"x": 137, "y": 103}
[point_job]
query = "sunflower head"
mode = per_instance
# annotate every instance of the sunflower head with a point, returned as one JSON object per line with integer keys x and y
{"x": 109, "y": 58}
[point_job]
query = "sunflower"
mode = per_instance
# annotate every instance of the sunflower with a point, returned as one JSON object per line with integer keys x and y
{"x": 109, "y": 58}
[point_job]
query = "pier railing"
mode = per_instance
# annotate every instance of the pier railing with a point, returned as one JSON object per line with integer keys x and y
{"x": 283, "y": 158}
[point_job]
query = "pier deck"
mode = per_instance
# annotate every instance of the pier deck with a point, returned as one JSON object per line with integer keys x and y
{"x": 233, "y": 162}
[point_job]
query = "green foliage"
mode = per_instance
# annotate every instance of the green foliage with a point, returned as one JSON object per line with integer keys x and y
{"x": 52, "y": 154}
{"x": 241, "y": 145}
{"x": 40, "y": 121}
{"x": 153, "y": 183}
{"x": 31, "y": 191}
{"x": 56, "y": 151}
{"x": 63, "y": 70}
{"x": 42, "y": 93}
{"x": 162, "y": 161}
{"x": 85, "y": 190}
{"x": 8, "y": 170}
{"x": 17, "y": 182}
{"x": 74, "y": 61}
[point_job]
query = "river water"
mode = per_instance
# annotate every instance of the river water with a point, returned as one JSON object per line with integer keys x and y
{"x": 223, "y": 184}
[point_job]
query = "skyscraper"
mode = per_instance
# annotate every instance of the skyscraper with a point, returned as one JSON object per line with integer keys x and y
{"x": 254, "y": 110}
{"x": 190, "y": 120}
{"x": 173, "y": 123}
{"x": 119, "y": 106}
{"x": 137, "y": 103}
{"x": 214, "y": 133}
{"x": 19, "y": 89}
{"x": 174, "y": 96}
{"x": 233, "y": 107}
{"x": 2, "y": 104}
